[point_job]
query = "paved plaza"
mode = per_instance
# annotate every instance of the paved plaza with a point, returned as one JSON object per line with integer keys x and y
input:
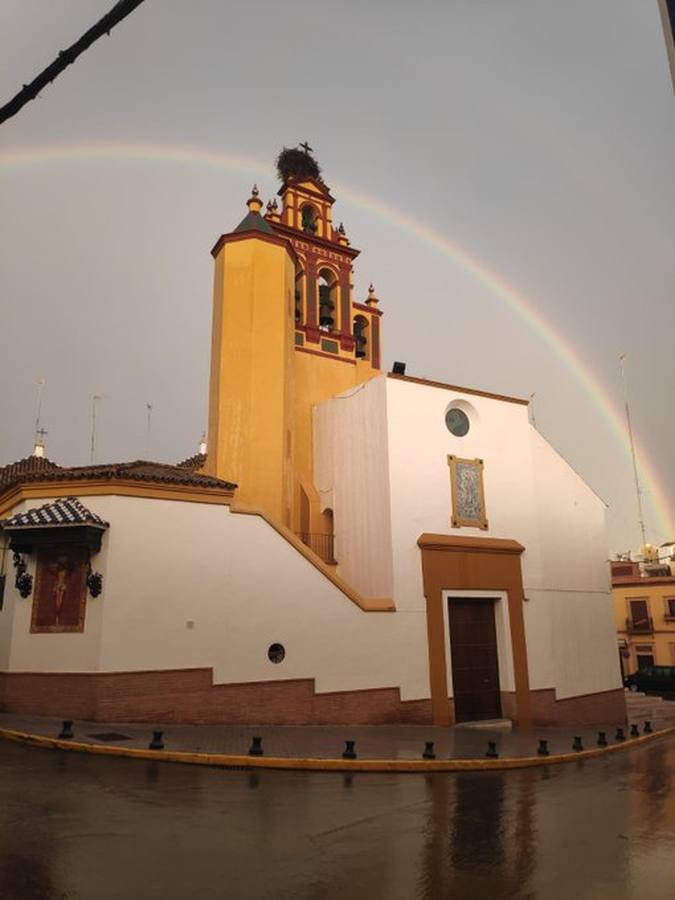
{"x": 85, "y": 827}
{"x": 328, "y": 742}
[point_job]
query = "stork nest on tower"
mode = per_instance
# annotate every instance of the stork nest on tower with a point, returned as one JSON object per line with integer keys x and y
{"x": 293, "y": 162}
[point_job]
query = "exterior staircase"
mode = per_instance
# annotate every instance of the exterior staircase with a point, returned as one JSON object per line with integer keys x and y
{"x": 640, "y": 707}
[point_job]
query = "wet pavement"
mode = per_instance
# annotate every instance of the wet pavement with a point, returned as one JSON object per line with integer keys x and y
{"x": 74, "y": 827}
{"x": 328, "y": 742}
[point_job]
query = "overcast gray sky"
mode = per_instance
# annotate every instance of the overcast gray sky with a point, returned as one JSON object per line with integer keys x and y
{"x": 538, "y": 137}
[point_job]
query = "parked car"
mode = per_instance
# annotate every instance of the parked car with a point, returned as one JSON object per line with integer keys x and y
{"x": 652, "y": 679}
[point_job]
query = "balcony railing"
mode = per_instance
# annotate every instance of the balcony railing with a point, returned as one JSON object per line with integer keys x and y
{"x": 321, "y": 544}
{"x": 643, "y": 625}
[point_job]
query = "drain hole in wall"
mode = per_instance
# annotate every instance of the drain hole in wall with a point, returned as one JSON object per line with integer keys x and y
{"x": 276, "y": 653}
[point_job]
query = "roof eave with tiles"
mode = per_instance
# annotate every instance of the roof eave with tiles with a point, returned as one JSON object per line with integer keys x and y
{"x": 65, "y": 512}
{"x": 28, "y": 472}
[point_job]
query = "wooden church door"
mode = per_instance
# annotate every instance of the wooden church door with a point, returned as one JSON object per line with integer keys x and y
{"x": 475, "y": 667}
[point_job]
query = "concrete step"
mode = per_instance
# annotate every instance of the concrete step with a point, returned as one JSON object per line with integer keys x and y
{"x": 488, "y": 724}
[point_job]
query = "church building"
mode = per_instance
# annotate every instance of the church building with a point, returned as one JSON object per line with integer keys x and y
{"x": 355, "y": 546}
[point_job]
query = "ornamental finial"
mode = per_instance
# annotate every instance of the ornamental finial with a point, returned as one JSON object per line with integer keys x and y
{"x": 372, "y": 299}
{"x": 254, "y": 202}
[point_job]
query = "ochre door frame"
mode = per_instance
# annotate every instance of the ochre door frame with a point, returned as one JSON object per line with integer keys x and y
{"x": 467, "y": 564}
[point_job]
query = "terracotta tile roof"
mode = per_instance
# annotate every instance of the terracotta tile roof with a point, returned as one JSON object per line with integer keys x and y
{"x": 193, "y": 462}
{"x": 35, "y": 469}
{"x": 64, "y": 511}
{"x": 31, "y": 465}
{"x": 641, "y": 580}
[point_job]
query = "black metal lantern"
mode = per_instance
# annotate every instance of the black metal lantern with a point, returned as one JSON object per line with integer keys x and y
{"x": 95, "y": 583}
{"x": 23, "y": 581}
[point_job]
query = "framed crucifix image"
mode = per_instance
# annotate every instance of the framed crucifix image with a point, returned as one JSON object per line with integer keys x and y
{"x": 60, "y": 595}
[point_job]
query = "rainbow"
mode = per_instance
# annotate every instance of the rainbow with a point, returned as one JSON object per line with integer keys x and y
{"x": 523, "y": 308}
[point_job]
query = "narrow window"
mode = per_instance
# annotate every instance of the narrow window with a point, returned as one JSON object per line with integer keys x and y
{"x": 327, "y": 291}
{"x": 299, "y": 298}
{"x": 361, "y": 337}
{"x": 309, "y": 217}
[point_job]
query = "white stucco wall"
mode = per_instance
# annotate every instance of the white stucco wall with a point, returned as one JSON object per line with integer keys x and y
{"x": 352, "y": 478}
{"x": 167, "y": 564}
{"x": 573, "y": 585}
{"x": 189, "y": 584}
{"x": 7, "y": 613}
{"x": 421, "y": 500}
{"x": 532, "y": 496}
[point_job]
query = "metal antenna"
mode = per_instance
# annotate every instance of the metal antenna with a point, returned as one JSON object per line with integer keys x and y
{"x": 532, "y": 417}
{"x": 638, "y": 489}
{"x": 94, "y": 399}
{"x": 40, "y": 388}
{"x": 148, "y": 407}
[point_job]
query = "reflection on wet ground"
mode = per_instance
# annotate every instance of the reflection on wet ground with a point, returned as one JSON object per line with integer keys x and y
{"x": 74, "y": 827}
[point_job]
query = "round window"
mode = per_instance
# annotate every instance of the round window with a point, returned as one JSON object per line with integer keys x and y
{"x": 276, "y": 653}
{"x": 457, "y": 421}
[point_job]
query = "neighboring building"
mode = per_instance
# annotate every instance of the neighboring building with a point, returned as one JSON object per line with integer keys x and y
{"x": 644, "y": 608}
{"x": 354, "y": 547}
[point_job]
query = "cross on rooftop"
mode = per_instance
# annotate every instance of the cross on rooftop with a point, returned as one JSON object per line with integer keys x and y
{"x": 305, "y": 146}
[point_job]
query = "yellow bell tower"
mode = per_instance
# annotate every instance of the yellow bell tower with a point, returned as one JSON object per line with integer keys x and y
{"x": 251, "y": 364}
{"x": 286, "y": 336}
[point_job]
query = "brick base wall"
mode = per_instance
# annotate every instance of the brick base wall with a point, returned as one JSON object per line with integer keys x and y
{"x": 589, "y": 709}
{"x": 189, "y": 695}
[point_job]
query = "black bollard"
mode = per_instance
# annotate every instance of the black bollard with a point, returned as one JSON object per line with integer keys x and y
{"x": 542, "y": 749}
{"x": 620, "y": 736}
{"x": 156, "y": 743}
{"x": 634, "y": 730}
{"x": 428, "y": 750}
{"x": 491, "y": 751}
{"x": 349, "y": 752}
{"x": 576, "y": 744}
{"x": 66, "y": 732}
{"x": 648, "y": 727}
{"x": 602, "y": 739}
{"x": 256, "y": 747}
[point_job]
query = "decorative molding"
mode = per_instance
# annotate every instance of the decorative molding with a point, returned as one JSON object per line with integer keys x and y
{"x": 367, "y": 309}
{"x": 472, "y": 564}
{"x": 367, "y": 604}
{"x": 450, "y": 543}
{"x": 118, "y": 487}
{"x": 331, "y": 356}
{"x": 460, "y": 390}
{"x": 249, "y": 235}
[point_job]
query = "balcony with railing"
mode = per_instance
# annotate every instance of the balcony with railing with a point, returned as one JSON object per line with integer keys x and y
{"x": 321, "y": 544}
{"x": 643, "y": 625}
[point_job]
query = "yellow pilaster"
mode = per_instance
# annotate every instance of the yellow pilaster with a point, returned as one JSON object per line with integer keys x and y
{"x": 250, "y": 396}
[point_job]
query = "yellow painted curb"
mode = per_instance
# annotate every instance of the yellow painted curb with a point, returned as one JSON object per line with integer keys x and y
{"x": 326, "y": 765}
